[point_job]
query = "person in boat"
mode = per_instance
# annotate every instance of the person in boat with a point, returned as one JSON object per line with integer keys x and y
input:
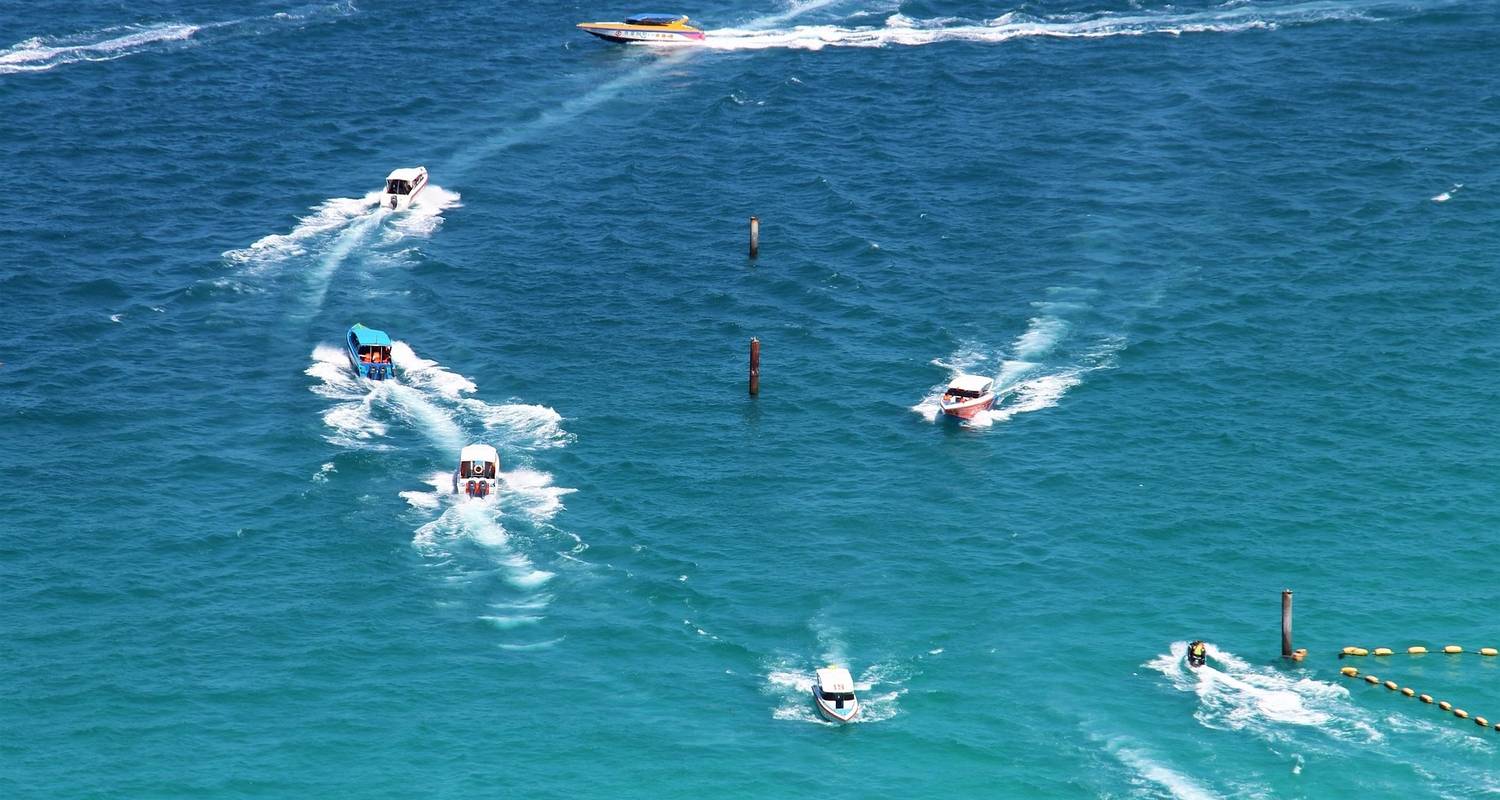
{"x": 1197, "y": 654}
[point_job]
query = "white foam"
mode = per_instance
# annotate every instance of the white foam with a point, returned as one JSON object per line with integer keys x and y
{"x": 115, "y": 318}
{"x": 476, "y": 522}
{"x": 351, "y": 420}
{"x": 425, "y": 215}
{"x": 1180, "y": 786}
{"x": 42, "y": 53}
{"x": 1448, "y": 195}
{"x": 901, "y": 30}
{"x": 1236, "y": 695}
{"x": 321, "y": 476}
{"x": 532, "y": 493}
{"x": 328, "y": 216}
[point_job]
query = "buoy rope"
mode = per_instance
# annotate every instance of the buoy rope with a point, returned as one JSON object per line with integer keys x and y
{"x": 1407, "y": 691}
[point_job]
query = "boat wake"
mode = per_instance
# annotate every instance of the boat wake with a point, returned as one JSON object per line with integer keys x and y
{"x": 1236, "y": 695}
{"x": 901, "y": 30}
{"x": 427, "y": 398}
{"x": 879, "y": 687}
{"x": 43, "y": 53}
{"x": 1033, "y": 374}
{"x": 326, "y": 232}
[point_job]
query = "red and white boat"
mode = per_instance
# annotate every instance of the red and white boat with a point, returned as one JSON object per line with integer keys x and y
{"x": 834, "y": 694}
{"x": 967, "y": 395}
{"x": 478, "y": 472}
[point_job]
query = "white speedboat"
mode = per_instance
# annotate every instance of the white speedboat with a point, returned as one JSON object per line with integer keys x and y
{"x": 967, "y": 395}
{"x": 478, "y": 471}
{"x": 833, "y": 693}
{"x": 402, "y": 187}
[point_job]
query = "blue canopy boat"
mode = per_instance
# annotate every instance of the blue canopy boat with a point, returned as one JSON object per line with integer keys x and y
{"x": 370, "y": 353}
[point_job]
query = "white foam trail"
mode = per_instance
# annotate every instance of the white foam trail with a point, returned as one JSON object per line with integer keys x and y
{"x": 351, "y": 420}
{"x": 475, "y": 522}
{"x": 906, "y": 31}
{"x": 328, "y": 217}
{"x": 1180, "y": 786}
{"x": 434, "y": 421}
{"x": 426, "y": 374}
{"x": 1448, "y": 195}
{"x": 425, "y": 215}
{"x": 43, "y": 53}
{"x": 115, "y": 318}
{"x": 1235, "y": 695}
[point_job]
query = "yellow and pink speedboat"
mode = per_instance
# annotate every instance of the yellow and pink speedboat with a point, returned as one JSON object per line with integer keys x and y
{"x": 646, "y": 29}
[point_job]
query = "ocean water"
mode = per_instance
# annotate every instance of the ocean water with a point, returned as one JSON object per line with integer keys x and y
{"x": 1234, "y": 265}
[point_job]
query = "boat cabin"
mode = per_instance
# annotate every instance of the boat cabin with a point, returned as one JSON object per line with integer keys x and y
{"x": 968, "y": 387}
{"x": 835, "y": 685}
{"x": 402, "y": 186}
{"x": 478, "y": 471}
{"x": 370, "y": 353}
{"x": 659, "y": 20}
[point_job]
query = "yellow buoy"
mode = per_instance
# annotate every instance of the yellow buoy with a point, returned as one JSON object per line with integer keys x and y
{"x": 1453, "y": 648}
{"x": 1408, "y": 691}
{"x": 1360, "y": 651}
{"x": 1299, "y": 654}
{"x": 1350, "y": 671}
{"x": 1481, "y": 722}
{"x": 1382, "y": 651}
{"x": 1426, "y": 698}
{"x": 1349, "y": 651}
{"x": 1390, "y": 685}
{"x": 1445, "y": 705}
{"x": 1460, "y": 713}
{"x": 1416, "y": 650}
{"x": 1371, "y": 679}
{"x": 1489, "y": 651}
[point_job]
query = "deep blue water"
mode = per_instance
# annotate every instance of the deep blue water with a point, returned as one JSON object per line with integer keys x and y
{"x": 1232, "y": 263}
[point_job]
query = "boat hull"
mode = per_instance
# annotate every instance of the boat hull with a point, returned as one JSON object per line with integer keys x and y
{"x": 642, "y": 34}
{"x": 969, "y": 409}
{"x": 833, "y": 714}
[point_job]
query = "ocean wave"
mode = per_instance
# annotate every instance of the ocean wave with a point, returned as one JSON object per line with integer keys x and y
{"x": 901, "y": 30}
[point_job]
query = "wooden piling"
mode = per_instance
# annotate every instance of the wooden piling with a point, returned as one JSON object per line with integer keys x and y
{"x": 754, "y": 240}
{"x": 754, "y": 364}
{"x": 1286, "y": 623}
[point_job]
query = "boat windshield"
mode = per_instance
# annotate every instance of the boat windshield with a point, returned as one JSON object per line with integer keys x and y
{"x": 394, "y": 186}
{"x": 653, "y": 19}
{"x": 961, "y": 393}
{"x": 839, "y": 697}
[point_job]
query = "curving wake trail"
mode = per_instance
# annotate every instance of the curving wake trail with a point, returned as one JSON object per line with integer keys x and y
{"x": 901, "y": 30}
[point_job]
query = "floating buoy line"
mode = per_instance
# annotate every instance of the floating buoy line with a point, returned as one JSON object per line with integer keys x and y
{"x": 1407, "y": 691}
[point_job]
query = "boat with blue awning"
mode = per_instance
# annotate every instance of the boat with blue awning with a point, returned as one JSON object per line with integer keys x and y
{"x": 646, "y": 29}
{"x": 370, "y": 353}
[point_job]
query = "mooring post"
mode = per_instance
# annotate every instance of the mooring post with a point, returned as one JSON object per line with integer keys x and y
{"x": 1286, "y": 623}
{"x": 754, "y": 366}
{"x": 754, "y": 239}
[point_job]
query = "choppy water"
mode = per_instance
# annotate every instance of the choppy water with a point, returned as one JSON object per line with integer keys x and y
{"x": 1232, "y": 263}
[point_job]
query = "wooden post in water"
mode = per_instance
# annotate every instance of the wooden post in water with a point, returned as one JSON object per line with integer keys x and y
{"x": 1286, "y": 623}
{"x": 754, "y": 240}
{"x": 754, "y": 365}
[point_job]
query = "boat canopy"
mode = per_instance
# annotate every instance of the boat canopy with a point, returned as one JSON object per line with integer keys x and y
{"x": 970, "y": 385}
{"x": 408, "y": 174}
{"x": 479, "y": 452}
{"x": 369, "y": 336}
{"x": 835, "y": 680}
{"x": 655, "y": 19}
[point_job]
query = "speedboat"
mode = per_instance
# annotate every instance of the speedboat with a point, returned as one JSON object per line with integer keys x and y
{"x": 478, "y": 470}
{"x": 402, "y": 187}
{"x": 834, "y": 694}
{"x": 967, "y": 395}
{"x": 646, "y": 29}
{"x": 370, "y": 353}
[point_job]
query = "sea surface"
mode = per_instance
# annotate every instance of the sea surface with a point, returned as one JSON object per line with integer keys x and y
{"x": 1233, "y": 264}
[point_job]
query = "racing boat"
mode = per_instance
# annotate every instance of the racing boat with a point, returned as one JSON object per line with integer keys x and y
{"x": 834, "y": 694}
{"x": 478, "y": 471}
{"x": 646, "y": 29}
{"x": 402, "y": 187}
{"x": 370, "y": 353}
{"x": 967, "y": 395}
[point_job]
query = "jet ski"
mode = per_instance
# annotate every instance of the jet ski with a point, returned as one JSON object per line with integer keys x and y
{"x": 1197, "y": 654}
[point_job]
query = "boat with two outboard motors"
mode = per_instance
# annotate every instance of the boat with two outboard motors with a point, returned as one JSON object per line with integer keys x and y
{"x": 369, "y": 353}
{"x": 478, "y": 471}
{"x": 646, "y": 29}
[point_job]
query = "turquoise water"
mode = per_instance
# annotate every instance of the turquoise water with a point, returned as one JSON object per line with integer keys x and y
{"x": 1233, "y": 263}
